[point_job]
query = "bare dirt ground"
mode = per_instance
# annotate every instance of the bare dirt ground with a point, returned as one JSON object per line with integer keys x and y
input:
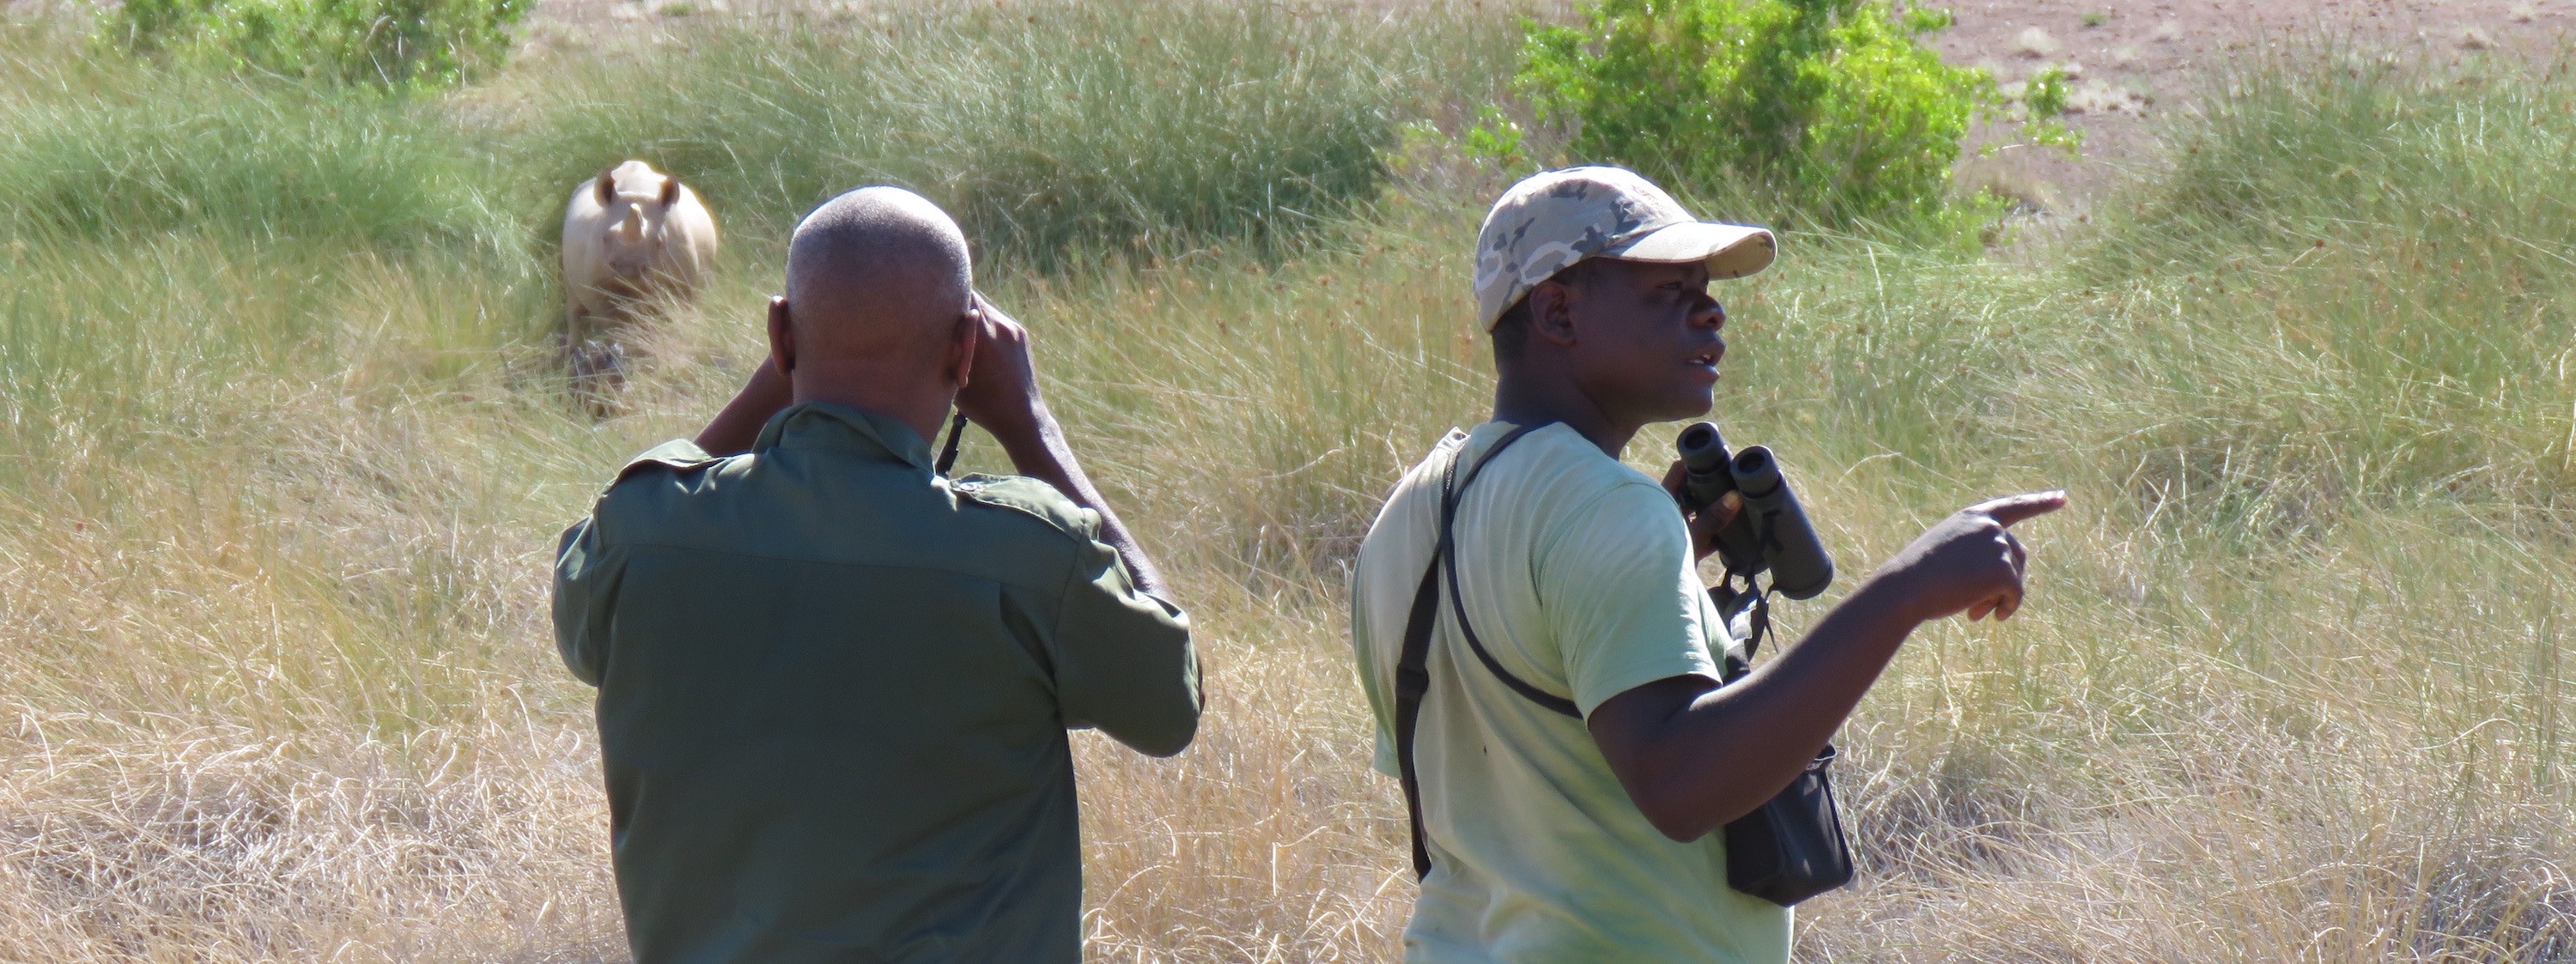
{"x": 2132, "y": 62}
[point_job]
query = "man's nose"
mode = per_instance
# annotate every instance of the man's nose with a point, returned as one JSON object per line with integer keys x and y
{"x": 1709, "y": 314}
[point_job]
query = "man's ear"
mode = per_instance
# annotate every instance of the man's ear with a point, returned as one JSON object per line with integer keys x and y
{"x": 1551, "y": 311}
{"x": 961, "y": 347}
{"x": 782, "y": 336}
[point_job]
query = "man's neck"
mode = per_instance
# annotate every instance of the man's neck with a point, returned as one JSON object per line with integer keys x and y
{"x": 922, "y": 412}
{"x": 1525, "y": 398}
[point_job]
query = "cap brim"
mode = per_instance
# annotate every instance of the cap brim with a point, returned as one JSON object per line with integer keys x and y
{"x": 1731, "y": 250}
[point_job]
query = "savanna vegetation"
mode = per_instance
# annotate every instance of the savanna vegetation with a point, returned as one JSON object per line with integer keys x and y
{"x": 282, "y": 452}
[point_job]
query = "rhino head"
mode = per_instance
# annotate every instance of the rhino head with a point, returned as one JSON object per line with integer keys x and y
{"x": 635, "y": 224}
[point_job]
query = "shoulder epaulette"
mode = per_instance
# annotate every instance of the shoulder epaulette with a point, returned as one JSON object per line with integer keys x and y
{"x": 676, "y": 454}
{"x": 1027, "y": 495}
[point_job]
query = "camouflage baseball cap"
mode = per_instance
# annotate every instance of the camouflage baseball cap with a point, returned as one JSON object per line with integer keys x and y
{"x": 1555, "y": 218}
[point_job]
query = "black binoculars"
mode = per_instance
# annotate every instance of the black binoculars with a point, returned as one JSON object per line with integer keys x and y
{"x": 1771, "y": 532}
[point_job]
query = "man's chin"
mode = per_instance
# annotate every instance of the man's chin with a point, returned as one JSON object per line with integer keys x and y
{"x": 1691, "y": 406}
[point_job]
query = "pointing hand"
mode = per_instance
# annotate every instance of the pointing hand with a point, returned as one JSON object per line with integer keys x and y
{"x": 1969, "y": 562}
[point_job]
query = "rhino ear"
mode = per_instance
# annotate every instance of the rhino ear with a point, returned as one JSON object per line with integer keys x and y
{"x": 607, "y": 185}
{"x": 670, "y": 191}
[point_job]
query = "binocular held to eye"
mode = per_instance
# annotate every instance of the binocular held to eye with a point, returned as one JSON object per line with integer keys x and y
{"x": 1771, "y": 532}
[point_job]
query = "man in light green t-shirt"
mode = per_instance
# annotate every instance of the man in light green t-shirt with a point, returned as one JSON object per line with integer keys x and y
{"x": 1553, "y": 838}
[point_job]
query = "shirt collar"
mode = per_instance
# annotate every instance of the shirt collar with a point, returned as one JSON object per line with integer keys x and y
{"x": 825, "y": 425}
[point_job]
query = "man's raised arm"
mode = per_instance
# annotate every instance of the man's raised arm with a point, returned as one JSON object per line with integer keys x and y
{"x": 1123, "y": 657}
{"x": 1694, "y": 755}
{"x": 1001, "y": 394}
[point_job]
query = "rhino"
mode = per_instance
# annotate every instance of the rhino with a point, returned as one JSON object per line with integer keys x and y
{"x": 633, "y": 237}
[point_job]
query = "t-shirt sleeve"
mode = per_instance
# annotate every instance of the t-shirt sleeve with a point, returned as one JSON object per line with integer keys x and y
{"x": 1123, "y": 660}
{"x": 587, "y": 572}
{"x": 1621, "y": 596}
{"x": 1380, "y": 693}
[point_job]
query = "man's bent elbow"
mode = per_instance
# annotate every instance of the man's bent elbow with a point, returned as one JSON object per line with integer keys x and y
{"x": 1157, "y": 735}
{"x": 1181, "y": 724}
{"x": 1169, "y": 740}
{"x": 1674, "y": 821}
{"x": 1685, "y": 815}
{"x": 1682, "y": 812}
{"x": 1158, "y": 720}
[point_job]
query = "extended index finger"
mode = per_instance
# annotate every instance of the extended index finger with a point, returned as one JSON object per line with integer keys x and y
{"x": 2014, "y": 508}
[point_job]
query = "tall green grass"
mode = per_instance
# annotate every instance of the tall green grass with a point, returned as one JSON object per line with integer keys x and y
{"x": 201, "y": 233}
{"x": 91, "y": 154}
{"x": 2374, "y": 269}
{"x": 1055, "y": 131}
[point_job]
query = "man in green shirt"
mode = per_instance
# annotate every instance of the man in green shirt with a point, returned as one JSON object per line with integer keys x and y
{"x": 833, "y": 684}
{"x": 1585, "y": 835}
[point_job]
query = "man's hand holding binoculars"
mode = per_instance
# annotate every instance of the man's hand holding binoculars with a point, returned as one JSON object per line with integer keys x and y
{"x": 1705, "y": 521}
{"x": 1001, "y": 390}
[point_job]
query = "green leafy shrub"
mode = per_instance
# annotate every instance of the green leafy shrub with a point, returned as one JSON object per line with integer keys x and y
{"x": 2043, "y": 99}
{"x": 1837, "y": 107}
{"x": 392, "y": 43}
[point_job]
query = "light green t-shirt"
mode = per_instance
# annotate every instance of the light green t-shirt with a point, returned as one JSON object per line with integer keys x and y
{"x": 1577, "y": 573}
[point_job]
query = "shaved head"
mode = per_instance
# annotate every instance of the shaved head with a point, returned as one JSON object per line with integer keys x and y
{"x": 878, "y": 272}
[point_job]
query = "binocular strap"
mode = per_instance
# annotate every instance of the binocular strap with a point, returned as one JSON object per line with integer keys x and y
{"x": 948, "y": 452}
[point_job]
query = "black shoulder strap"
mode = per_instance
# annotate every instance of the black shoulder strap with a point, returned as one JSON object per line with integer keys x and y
{"x": 1448, "y": 558}
{"x": 1412, "y": 679}
{"x": 1412, "y": 665}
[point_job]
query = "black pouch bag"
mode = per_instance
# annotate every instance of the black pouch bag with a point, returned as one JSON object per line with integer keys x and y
{"x": 1788, "y": 850}
{"x": 1791, "y": 848}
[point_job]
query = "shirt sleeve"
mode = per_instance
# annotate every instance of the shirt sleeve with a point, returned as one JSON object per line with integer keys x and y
{"x": 1380, "y": 697}
{"x": 1621, "y": 596}
{"x": 1123, "y": 660}
{"x": 587, "y": 572}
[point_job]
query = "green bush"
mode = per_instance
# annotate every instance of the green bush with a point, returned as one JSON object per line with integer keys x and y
{"x": 1833, "y": 107}
{"x": 392, "y": 43}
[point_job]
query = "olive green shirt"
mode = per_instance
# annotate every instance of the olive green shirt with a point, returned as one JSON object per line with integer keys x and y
{"x": 833, "y": 694}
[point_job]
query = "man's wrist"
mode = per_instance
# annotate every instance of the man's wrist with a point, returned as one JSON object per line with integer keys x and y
{"x": 1024, "y": 437}
{"x": 1888, "y": 592}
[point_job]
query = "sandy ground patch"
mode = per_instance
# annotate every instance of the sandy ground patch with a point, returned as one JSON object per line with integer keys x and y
{"x": 2134, "y": 62}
